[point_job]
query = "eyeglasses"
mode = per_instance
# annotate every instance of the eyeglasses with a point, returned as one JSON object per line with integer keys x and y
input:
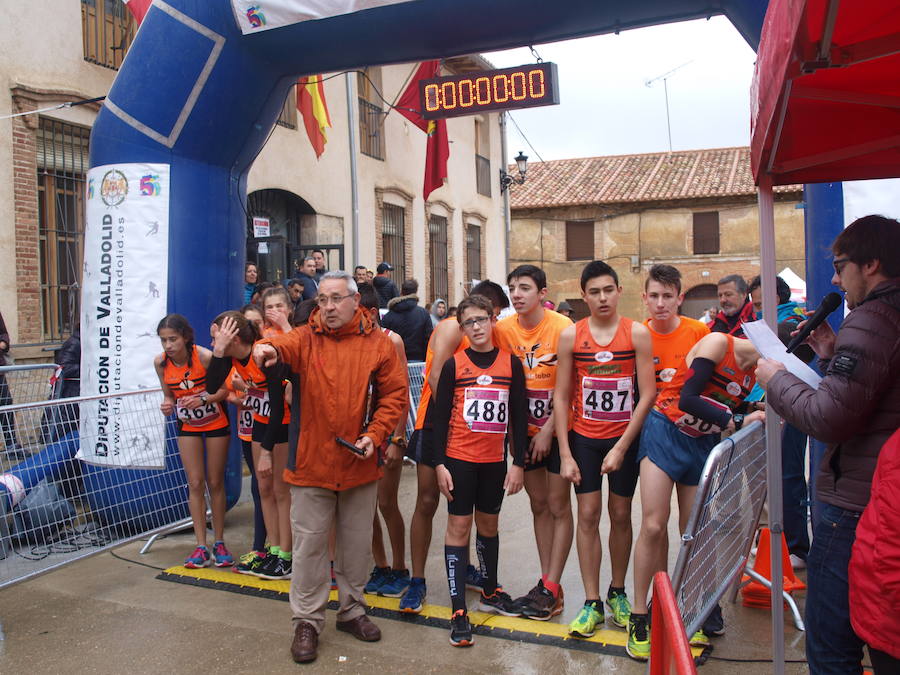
{"x": 477, "y": 321}
{"x": 325, "y": 300}
{"x": 839, "y": 264}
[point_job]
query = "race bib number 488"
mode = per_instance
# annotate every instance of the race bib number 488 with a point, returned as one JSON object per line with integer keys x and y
{"x": 486, "y": 410}
{"x": 608, "y": 399}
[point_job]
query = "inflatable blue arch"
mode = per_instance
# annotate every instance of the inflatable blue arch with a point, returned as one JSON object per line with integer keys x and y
{"x": 198, "y": 94}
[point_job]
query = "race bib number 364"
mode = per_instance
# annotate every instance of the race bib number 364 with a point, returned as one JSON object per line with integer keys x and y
{"x": 486, "y": 410}
{"x": 608, "y": 399}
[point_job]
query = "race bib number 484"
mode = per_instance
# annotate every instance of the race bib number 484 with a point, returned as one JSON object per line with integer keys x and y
{"x": 608, "y": 399}
{"x": 486, "y": 410}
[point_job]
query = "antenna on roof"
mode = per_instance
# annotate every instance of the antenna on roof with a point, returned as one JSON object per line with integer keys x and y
{"x": 664, "y": 77}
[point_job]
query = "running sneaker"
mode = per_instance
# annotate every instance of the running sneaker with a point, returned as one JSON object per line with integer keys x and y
{"x": 638, "y": 643}
{"x": 619, "y": 607}
{"x": 545, "y": 606}
{"x": 275, "y": 568}
{"x": 199, "y": 558}
{"x": 414, "y": 598}
{"x": 222, "y": 555}
{"x": 249, "y": 562}
{"x": 714, "y": 624}
{"x": 474, "y": 578}
{"x": 699, "y": 639}
{"x": 498, "y": 602}
{"x": 586, "y": 622}
{"x": 529, "y": 598}
{"x": 378, "y": 576}
{"x": 396, "y": 583}
{"x": 461, "y": 629}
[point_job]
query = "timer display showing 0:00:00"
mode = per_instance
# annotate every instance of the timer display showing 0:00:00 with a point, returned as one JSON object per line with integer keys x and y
{"x": 485, "y": 91}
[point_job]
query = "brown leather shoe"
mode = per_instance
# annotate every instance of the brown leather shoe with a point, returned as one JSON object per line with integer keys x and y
{"x": 361, "y": 628}
{"x": 305, "y": 644}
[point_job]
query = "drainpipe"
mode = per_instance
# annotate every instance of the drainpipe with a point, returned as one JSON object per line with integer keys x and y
{"x": 354, "y": 178}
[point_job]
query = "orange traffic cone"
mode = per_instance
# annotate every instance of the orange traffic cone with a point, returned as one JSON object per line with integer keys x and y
{"x": 754, "y": 594}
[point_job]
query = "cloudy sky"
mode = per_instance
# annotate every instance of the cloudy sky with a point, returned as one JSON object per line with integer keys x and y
{"x": 607, "y": 109}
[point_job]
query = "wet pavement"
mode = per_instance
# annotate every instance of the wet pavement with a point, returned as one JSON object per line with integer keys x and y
{"x": 110, "y": 613}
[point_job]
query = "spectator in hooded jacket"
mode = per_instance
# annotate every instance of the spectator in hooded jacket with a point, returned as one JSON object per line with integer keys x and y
{"x": 438, "y": 311}
{"x": 409, "y": 321}
{"x": 855, "y": 409}
{"x": 384, "y": 285}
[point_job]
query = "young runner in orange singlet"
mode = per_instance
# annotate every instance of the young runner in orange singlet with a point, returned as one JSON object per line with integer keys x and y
{"x": 532, "y": 334}
{"x": 605, "y": 360}
{"x": 200, "y": 417}
{"x": 690, "y": 413}
{"x": 480, "y": 403}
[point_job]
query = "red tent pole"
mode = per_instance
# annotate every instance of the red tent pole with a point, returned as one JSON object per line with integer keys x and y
{"x": 773, "y": 423}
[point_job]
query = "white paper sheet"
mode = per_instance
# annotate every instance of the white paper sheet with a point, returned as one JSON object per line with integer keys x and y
{"x": 768, "y": 344}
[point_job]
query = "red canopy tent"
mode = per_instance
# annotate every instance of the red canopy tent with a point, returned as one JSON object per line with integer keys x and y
{"x": 825, "y": 107}
{"x": 826, "y": 93}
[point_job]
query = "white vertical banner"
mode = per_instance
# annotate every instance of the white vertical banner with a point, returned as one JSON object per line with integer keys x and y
{"x": 123, "y": 297}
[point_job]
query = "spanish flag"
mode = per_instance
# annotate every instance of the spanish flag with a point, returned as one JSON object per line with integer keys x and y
{"x": 138, "y": 9}
{"x": 311, "y": 104}
{"x": 437, "y": 147}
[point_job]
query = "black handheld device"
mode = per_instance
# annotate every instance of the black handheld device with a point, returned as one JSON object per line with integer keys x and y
{"x": 352, "y": 448}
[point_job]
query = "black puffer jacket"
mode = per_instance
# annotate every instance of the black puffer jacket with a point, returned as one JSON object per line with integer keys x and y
{"x": 410, "y": 322}
{"x": 857, "y": 405}
{"x": 386, "y": 290}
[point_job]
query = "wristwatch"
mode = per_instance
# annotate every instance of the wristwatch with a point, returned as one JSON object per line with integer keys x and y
{"x": 399, "y": 441}
{"x": 738, "y": 420}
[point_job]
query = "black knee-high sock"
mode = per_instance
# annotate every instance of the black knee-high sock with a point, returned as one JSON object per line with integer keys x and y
{"x": 457, "y": 558}
{"x": 488, "y": 549}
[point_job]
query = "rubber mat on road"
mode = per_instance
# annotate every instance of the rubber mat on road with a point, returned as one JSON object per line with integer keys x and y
{"x": 604, "y": 641}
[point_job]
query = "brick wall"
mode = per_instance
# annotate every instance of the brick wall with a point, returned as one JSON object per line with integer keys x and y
{"x": 28, "y": 296}
{"x": 402, "y": 198}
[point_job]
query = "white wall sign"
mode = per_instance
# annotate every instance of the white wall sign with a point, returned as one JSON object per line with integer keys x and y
{"x": 261, "y": 227}
{"x": 126, "y": 266}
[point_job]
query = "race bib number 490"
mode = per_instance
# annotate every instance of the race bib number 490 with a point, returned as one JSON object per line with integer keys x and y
{"x": 486, "y": 410}
{"x": 258, "y": 401}
{"x": 608, "y": 399}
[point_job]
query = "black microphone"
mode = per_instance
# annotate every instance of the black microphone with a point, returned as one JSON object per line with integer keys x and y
{"x": 829, "y": 303}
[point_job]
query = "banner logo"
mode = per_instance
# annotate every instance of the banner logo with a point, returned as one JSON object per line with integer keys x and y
{"x": 256, "y": 17}
{"x": 150, "y": 185}
{"x": 113, "y": 188}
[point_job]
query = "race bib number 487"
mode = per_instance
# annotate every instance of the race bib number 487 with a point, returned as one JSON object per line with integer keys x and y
{"x": 486, "y": 410}
{"x": 608, "y": 399}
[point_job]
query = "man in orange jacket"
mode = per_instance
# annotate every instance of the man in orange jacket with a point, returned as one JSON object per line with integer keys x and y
{"x": 352, "y": 394}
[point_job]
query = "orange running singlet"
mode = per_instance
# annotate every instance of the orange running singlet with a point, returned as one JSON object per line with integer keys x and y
{"x": 670, "y": 349}
{"x": 425, "y": 399}
{"x": 603, "y": 386}
{"x": 726, "y": 390}
{"x": 244, "y": 415}
{"x": 536, "y": 349}
{"x": 185, "y": 381}
{"x": 258, "y": 391}
{"x": 480, "y": 413}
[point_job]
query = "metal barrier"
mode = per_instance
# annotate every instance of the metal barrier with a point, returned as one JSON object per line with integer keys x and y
{"x": 24, "y": 384}
{"x": 416, "y": 372}
{"x": 55, "y": 509}
{"x": 726, "y": 511}
{"x": 670, "y": 642}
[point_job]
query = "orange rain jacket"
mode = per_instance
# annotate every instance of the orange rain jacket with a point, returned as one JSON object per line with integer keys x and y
{"x": 336, "y": 368}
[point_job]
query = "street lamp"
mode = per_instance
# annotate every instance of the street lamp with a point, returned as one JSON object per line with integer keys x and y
{"x": 507, "y": 179}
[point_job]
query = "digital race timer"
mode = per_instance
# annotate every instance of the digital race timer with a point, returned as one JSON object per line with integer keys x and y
{"x": 485, "y": 90}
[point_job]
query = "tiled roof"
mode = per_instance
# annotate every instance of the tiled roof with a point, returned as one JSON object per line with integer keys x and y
{"x": 662, "y": 176}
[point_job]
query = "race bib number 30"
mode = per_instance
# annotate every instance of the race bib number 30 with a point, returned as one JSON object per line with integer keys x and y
{"x": 486, "y": 410}
{"x": 608, "y": 399}
{"x": 695, "y": 427}
{"x": 540, "y": 405}
{"x": 258, "y": 401}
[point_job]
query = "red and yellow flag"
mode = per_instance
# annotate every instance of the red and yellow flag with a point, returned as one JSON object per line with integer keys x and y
{"x": 138, "y": 9}
{"x": 312, "y": 106}
{"x": 437, "y": 148}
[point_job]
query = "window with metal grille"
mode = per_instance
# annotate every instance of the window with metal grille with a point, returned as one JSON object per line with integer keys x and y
{"x": 482, "y": 158}
{"x": 437, "y": 255}
{"x": 62, "y": 160}
{"x": 473, "y": 252}
{"x": 706, "y": 232}
{"x": 392, "y": 240}
{"x": 371, "y": 116}
{"x": 579, "y": 240}
{"x": 107, "y": 29}
{"x": 288, "y": 116}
